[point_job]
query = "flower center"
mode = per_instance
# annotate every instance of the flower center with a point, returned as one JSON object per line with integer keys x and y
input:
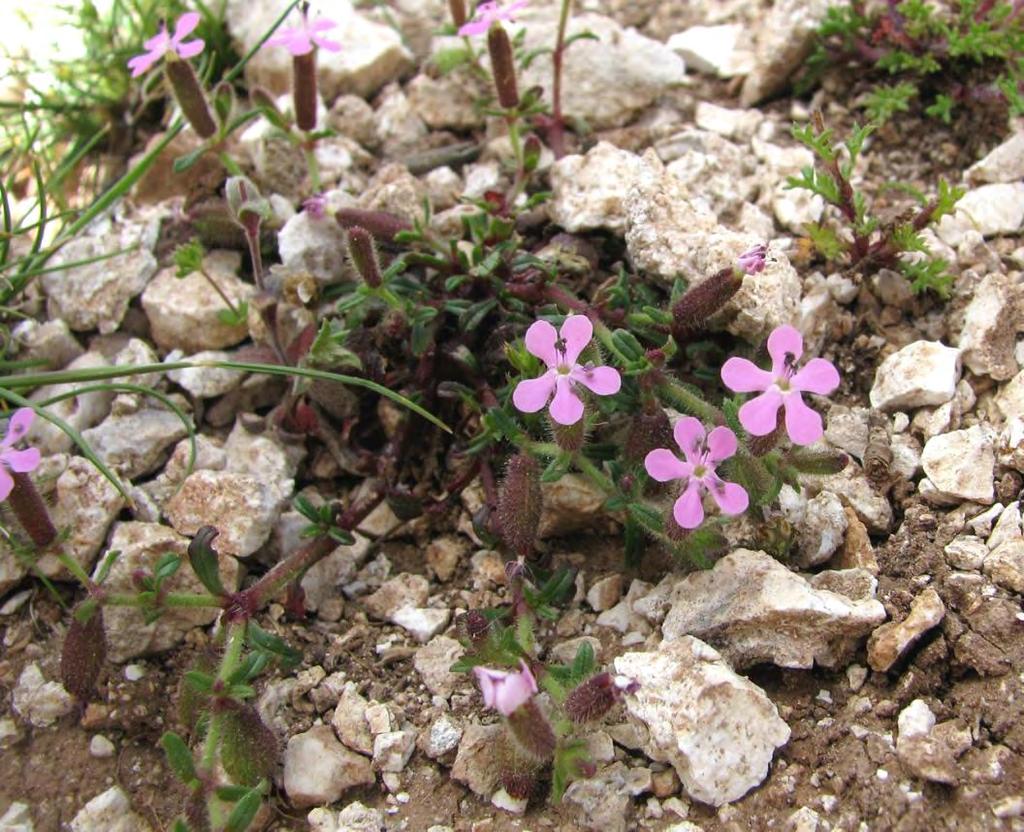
{"x": 700, "y": 471}
{"x": 564, "y": 369}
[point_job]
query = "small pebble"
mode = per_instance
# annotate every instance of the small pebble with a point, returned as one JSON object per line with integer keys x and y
{"x": 101, "y": 747}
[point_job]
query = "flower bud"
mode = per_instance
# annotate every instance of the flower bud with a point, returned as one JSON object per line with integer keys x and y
{"x": 649, "y": 430}
{"x": 691, "y": 312}
{"x": 249, "y": 749}
{"x": 519, "y": 504}
{"x": 519, "y": 783}
{"x": 84, "y": 651}
{"x": 595, "y": 697}
{"x": 532, "y": 732}
{"x": 30, "y": 509}
{"x": 503, "y": 66}
{"x": 474, "y": 627}
{"x": 363, "y": 252}
{"x": 458, "y": 11}
{"x": 817, "y": 463}
{"x": 190, "y": 96}
{"x": 247, "y": 206}
{"x": 304, "y": 90}
{"x": 382, "y": 225}
{"x": 753, "y": 260}
{"x": 531, "y": 153}
{"x": 569, "y": 437}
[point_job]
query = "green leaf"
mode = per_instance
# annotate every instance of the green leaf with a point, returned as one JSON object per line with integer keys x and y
{"x": 106, "y": 565}
{"x": 183, "y": 163}
{"x": 276, "y": 646}
{"x": 199, "y": 682}
{"x": 166, "y": 567}
{"x": 585, "y": 662}
{"x": 188, "y": 257}
{"x": 244, "y": 812}
{"x": 205, "y": 561}
{"x": 179, "y": 758}
{"x": 180, "y": 826}
{"x": 627, "y": 343}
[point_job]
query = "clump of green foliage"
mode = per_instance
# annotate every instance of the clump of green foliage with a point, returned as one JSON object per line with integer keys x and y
{"x": 962, "y": 54}
{"x": 850, "y": 235}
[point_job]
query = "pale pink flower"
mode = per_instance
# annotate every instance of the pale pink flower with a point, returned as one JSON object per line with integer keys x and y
{"x": 488, "y": 13}
{"x": 782, "y": 387}
{"x": 300, "y": 40}
{"x": 162, "y": 43}
{"x": 560, "y": 351}
{"x": 752, "y": 261}
{"x": 702, "y": 455}
{"x": 506, "y": 690}
{"x": 315, "y": 206}
{"x": 11, "y": 460}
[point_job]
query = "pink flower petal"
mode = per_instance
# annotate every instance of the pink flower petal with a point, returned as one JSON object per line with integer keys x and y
{"x": 540, "y": 341}
{"x": 721, "y": 444}
{"x": 730, "y": 497}
{"x": 6, "y": 484}
{"x": 604, "y": 381}
{"x": 743, "y": 376}
{"x": 531, "y": 395}
{"x": 474, "y": 27}
{"x": 688, "y": 511}
{"x": 817, "y": 376}
{"x": 663, "y": 465}
{"x": 488, "y": 679}
{"x": 803, "y": 425}
{"x": 326, "y": 43}
{"x": 295, "y": 40}
{"x": 22, "y": 461}
{"x": 567, "y": 406}
{"x": 190, "y": 49}
{"x": 576, "y": 332}
{"x": 689, "y": 435}
{"x": 185, "y": 26}
{"x": 141, "y": 64}
{"x": 784, "y": 341}
{"x": 322, "y": 24}
{"x": 512, "y": 8}
{"x": 21, "y": 420}
{"x": 759, "y": 415}
{"x": 159, "y": 42}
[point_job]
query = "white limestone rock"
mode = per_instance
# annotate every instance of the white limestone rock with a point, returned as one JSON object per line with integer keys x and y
{"x": 477, "y": 763}
{"x": 81, "y": 412}
{"x": 141, "y": 546}
{"x": 17, "y": 818}
{"x": 991, "y": 322}
{"x": 433, "y": 662}
{"x": 96, "y": 295}
{"x": 133, "y": 444}
{"x": 204, "y": 381}
{"x": 315, "y": 246}
{"x": 110, "y": 811}
{"x": 49, "y": 341}
{"x": 1005, "y": 565}
{"x": 319, "y": 769}
{"x": 1004, "y": 163}
{"x": 183, "y": 312}
{"x": 891, "y": 641}
{"x": 989, "y": 210}
{"x": 717, "y": 50}
{"x": 920, "y": 374}
{"x": 371, "y": 56}
{"x": 961, "y": 464}
{"x": 38, "y": 702}
{"x": 753, "y": 609}
{"x": 733, "y": 124}
{"x": 588, "y": 192}
{"x": 718, "y": 730}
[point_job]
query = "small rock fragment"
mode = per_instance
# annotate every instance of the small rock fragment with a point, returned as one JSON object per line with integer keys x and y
{"x": 890, "y": 641}
{"x": 476, "y": 764}
{"x": 922, "y": 373}
{"x": 433, "y": 662}
{"x": 38, "y": 702}
{"x": 110, "y": 811}
{"x": 961, "y": 464}
{"x": 392, "y": 750}
{"x": 319, "y": 769}
{"x": 1005, "y": 565}
{"x": 605, "y": 593}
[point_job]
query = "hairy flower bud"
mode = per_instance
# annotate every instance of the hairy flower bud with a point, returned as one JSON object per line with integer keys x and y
{"x": 569, "y": 437}
{"x": 520, "y": 503}
{"x": 532, "y": 732}
{"x": 249, "y": 749}
{"x": 691, "y": 312}
{"x": 650, "y": 429}
{"x": 474, "y": 627}
{"x": 458, "y": 11}
{"x": 28, "y": 506}
{"x": 304, "y": 90}
{"x": 84, "y": 651}
{"x": 503, "y": 66}
{"x": 595, "y": 697}
{"x": 382, "y": 225}
{"x": 363, "y": 252}
{"x": 817, "y": 463}
{"x": 519, "y": 783}
{"x": 190, "y": 96}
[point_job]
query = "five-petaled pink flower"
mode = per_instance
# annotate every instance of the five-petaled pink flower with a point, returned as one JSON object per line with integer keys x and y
{"x": 12, "y": 460}
{"x": 506, "y": 690}
{"x": 162, "y": 43}
{"x": 488, "y": 13}
{"x": 300, "y": 40}
{"x": 703, "y": 454}
{"x": 782, "y": 387}
{"x": 560, "y": 351}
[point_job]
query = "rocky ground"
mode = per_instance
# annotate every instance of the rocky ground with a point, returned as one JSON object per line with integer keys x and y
{"x": 872, "y": 681}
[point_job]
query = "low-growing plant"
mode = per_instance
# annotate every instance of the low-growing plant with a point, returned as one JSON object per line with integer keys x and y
{"x": 850, "y": 235}
{"x": 964, "y": 55}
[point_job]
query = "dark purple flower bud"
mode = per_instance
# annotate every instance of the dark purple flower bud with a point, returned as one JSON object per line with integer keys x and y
{"x": 519, "y": 504}
{"x": 363, "y": 252}
{"x": 649, "y": 430}
{"x": 30, "y": 509}
{"x": 532, "y": 732}
{"x": 518, "y": 783}
{"x": 382, "y": 225}
{"x": 752, "y": 261}
{"x": 474, "y": 627}
{"x": 691, "y": 312}
{"x": 84, "y": 651}
{"x": 503, "y": 65}
{"x": 190, "y": 96}
{"x": 595, "y": 697}
{"x": 458, "y": 10}
{"x": 304, "y": 90}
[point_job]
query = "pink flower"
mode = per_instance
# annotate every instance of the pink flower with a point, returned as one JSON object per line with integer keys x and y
{"x": 782, "y": 387}
{"x": 12, "y": 460}
{"x": 300, "y": 40}
{"x": 315, "y": 206}
{"x": 752, "y": 261}
{"x": 560, "y": 351}
{"x": 702, "y": 457}
{"x": 162, "y": 43}
{"x": 488, "y": 13}
{"x": 506, "y": 690}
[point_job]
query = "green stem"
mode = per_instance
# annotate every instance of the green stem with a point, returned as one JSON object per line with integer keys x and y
{"x": 75, "y": 568}
{"x": 172, "y": 599}
{"x": 219, "y": 291}
{"x": 679, "y": 397}
{"x": 309, "y": 152}
{"x": 596, "y": 475}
